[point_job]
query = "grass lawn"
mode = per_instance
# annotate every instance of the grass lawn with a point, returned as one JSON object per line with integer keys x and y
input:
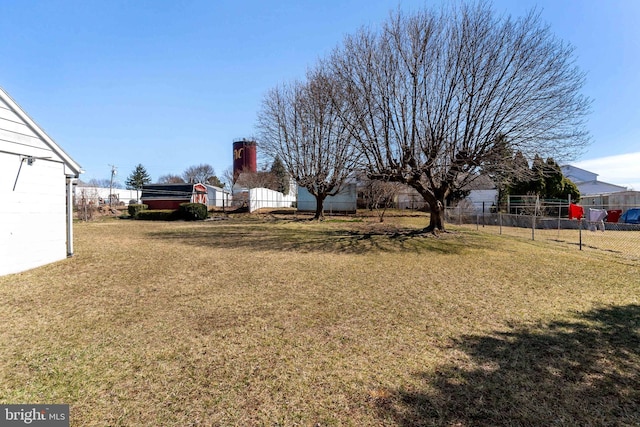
{"x": 279, "y": 322}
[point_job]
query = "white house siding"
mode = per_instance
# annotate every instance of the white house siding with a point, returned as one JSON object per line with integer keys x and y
{"x": 17, "y": 137}
{"x": 578, "y": 175}
{"x": 598, "y": 187}
{"x": 587, "y": 182}
{"x": 482, "y": 199}
{"x": 35, "y": 221}
{"x": 33, "y": 215}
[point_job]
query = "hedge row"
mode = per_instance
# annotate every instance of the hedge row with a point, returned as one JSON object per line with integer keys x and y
{"x": 187, "y": 212}
{"x": 193, "y": 211}
{"x": 134, "y": 209}
{"x": 158, "y": 215}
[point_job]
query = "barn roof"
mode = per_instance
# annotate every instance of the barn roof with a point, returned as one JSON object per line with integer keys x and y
{"x": 73, "y": 166}
{"x": 167, "y": 191}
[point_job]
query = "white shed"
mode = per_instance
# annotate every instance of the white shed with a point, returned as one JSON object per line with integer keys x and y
{"x": 36, "y": 188}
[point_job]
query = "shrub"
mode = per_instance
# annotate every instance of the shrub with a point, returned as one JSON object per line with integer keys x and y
{"x": 193, "y": 211}
{"x": 135, "y": 209}
{"x": 157, "y": 215}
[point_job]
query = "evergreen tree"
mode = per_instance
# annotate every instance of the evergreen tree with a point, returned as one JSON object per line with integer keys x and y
{"x": 554, "y": 180}
{"x": 215, "y": 181}
{"x": 544, "y": 179}
{"x": 499, "y": 167}
{"x": 138, "y": 178}
{"x": 520, "y": 183}
{"x": 537, "y": 181}
{"x": 570, "y": 189}
{"x": 282, "y": 177}
{"x": 558, "y": 186}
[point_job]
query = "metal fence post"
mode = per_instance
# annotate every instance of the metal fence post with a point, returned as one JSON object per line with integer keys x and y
{"x": 580, "y": 232}
{"x": 533, "y": 226}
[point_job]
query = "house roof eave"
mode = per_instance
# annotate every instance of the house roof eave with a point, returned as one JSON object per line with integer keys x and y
{"x": 73, "y": 166}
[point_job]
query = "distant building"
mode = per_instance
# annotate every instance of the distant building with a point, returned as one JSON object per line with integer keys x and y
{"x": 483, "y": 194}
{"x": 97, "y": 196}
{"x": 409, "y": 198}
{"x": 598, "y": 194}
{"x": 587, "y": 182}
{"x": 621, "y": 200}
{"x": 343, "y": 202}
{"x": 170, "y": 196}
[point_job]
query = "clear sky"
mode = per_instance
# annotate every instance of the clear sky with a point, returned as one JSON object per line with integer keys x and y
{"x": 170, "y": 84}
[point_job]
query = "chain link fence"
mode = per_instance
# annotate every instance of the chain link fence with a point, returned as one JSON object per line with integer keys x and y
{"x": 536, "y": 223}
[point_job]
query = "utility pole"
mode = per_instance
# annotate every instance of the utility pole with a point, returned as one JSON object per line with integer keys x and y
{"x": 114, "y": 172}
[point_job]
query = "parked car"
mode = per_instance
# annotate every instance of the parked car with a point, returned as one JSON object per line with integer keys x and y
{"x": 632, "y": 216}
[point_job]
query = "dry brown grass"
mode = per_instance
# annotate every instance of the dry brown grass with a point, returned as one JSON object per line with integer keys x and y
{"x": 281, "y": 322}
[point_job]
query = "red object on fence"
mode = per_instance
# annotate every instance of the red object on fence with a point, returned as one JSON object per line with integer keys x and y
{"x": 613, "y": 215}
{"x": 575, "y": 211}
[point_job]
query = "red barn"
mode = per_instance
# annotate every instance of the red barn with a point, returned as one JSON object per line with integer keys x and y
{"x": 170, "y": 196}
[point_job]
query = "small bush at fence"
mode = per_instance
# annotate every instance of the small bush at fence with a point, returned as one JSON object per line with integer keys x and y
{"x": 193, "y": 211}
{"x": 158, "y": 215}
{"x": 135, "y": 209}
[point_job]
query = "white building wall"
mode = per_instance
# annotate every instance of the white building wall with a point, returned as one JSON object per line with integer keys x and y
{"x": 480, "y": 198}
{"x": 94, "y": 194}
{"x": 16, "y": 137}
{"x": 598, "y": 187}
{"x": 344, "y": 201}
{"x": 622, "y": 200}
{"x": 577, "y": 175}
{"x": 33, "y": 189}
{"x": 218, "y": 197}
{"x": 33, "y": 214}
{"x": 265, "y": 198}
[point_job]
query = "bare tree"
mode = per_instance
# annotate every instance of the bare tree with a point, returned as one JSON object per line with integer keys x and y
{"x": 200, "y": 173}
{"x": 379, "y": 195}
{"x": 300, "y": 124}
{"x": 101, "y": 183}
{"x": 86, "y": 199}
{"x": 434, "y": 95}
{"x": 228, "y": 178}
{"x": 170, "y": 179}
{"x": 259, "y": 179}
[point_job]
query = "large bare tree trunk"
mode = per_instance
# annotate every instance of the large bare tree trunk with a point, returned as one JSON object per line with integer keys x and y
{"x": 319, "y": 216}
{"x": 436, "y": 208}
{"x": 436, "y": 221}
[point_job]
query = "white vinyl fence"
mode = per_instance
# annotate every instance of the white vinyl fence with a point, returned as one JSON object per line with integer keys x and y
{"x": 260, "y": 198}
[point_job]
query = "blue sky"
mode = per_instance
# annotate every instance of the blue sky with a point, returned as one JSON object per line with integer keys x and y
{"x": 171, "y": 84}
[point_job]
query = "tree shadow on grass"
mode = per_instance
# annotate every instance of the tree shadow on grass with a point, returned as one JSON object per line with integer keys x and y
{"x": 312, "y": 239}
{"x": 584, "y": 372}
